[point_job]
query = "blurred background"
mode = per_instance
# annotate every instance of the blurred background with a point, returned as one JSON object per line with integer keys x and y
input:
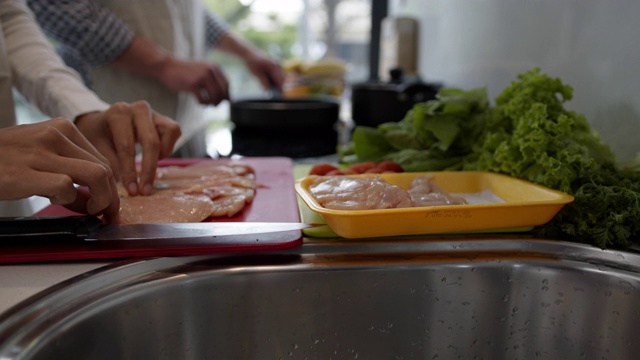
{"x": 592, "y": 45}
{"x": 289, "y": 30}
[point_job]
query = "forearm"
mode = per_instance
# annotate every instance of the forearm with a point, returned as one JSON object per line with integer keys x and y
{"x": 145, "y": 58}
{"x": 234, "y": 45}
{"x": 38, "y": 73}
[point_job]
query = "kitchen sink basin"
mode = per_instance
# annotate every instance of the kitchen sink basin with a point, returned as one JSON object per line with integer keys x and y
{"x": 449, "y": 298}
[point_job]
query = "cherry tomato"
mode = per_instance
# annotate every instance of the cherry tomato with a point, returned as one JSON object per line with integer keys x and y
{"x": 389, "y": 166}
{"x": 335, "y": 172}
{"x": 322, "y": 169}
{"x": 361, "y": 168}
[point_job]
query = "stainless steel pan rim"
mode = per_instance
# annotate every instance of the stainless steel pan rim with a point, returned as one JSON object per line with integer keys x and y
{"x": 285, "y": 114}
{"x": 285, "y": 104}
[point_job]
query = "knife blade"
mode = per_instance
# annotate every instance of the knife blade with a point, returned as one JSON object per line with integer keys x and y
{"x": 90, "y": 229}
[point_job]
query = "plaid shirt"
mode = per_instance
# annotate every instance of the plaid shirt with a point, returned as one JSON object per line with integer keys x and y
{"x": 87, "y": 34}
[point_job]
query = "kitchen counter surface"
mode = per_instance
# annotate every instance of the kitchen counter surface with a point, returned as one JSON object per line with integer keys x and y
{"x": 21, "y": 281}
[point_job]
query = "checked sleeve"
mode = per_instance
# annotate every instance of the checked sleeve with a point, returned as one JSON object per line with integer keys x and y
{"x": 83, "y": 29}
{"x": 215, "y": 27}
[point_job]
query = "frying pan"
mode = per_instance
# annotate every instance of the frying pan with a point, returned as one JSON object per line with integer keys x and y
{"x": 284, "y": 113}
{"x": 277, "y": 126}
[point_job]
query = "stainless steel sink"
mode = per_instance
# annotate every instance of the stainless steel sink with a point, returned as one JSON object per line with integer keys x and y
{"x": 450, "y": 298}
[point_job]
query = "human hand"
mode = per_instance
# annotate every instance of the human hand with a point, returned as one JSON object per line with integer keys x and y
{"x": 47, "y": 159}
{"x": 203, "y": 79}
{"x": 116, "y": 131}
{"x": 266, "y": 69}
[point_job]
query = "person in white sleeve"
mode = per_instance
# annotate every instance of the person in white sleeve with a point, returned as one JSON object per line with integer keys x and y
{"x": 29, "y": 64}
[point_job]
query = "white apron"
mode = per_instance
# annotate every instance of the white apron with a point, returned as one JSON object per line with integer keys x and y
{"x": 8, "y": 118}
{"x": 178, "y": 27}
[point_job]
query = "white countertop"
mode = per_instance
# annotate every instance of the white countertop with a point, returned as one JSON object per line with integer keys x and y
{"x": 20, "y": 281}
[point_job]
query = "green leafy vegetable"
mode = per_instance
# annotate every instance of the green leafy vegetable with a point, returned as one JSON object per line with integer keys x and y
{"x": 436, "y": 134}
{"x": 528, "y": 134}
{"x": 606, "y": 211}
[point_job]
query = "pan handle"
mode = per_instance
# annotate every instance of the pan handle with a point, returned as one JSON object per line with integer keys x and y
{"x": 275, "y": 93}
{"x": 46, "y": 230}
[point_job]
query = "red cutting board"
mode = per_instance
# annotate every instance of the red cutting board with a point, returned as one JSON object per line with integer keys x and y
{"x": 275, "y": 202}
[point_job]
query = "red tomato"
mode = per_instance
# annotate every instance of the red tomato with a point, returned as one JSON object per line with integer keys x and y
{"x": 322, "y": 169}
{"x": 361, "y": 168}
{"x": 335, "y": 172}
{"x": 389, "y": 166}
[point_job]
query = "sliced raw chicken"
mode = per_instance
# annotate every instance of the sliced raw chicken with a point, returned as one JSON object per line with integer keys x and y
{"x": 350, "y": 193}
{"x": 200, "y": 183}
{"x": 424, "y": 192}
{"x": 192, "y": 193}
{"x": 355, "y": 193}
{"x": 222, "y": 191}
{"x": 228, "y": 205}
{"x": 204, "y": 169}
{"x": 165, "y": 207}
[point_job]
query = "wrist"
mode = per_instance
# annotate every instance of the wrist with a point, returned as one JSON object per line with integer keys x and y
{"x": 82, "y": 118}
{"x": 162, "y": 67}
{"x": 145, "y": 58}
{"x": 236, "y": 46}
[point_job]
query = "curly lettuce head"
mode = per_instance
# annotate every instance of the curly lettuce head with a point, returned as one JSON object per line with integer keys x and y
{"x": 529, "y": 134}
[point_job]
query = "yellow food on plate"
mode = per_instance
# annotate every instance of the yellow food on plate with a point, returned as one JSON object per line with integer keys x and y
{"x": 320, "y": 77}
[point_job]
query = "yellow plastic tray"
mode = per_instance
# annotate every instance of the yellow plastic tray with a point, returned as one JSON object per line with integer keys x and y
{"x": 525, "y": 205}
